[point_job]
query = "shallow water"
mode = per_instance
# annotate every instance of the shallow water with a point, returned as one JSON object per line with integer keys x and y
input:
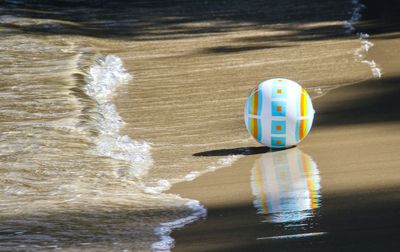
{"x": 104, "y": 106}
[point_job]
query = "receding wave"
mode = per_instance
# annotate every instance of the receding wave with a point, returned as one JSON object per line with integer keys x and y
{"x": 64, "y": 164}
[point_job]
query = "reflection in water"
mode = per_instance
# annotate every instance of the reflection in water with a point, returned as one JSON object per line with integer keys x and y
{"x": 286, "y": 185}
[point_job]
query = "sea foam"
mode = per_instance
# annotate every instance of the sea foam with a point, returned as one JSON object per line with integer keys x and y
{"x": 165, "y": 229}
{"x": 361, "y": 52}
{"x": 220, "y": 163}
{"x": 104, "y": 76}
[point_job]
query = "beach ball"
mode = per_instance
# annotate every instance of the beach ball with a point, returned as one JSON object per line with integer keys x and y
{"x": 278, "y": 113}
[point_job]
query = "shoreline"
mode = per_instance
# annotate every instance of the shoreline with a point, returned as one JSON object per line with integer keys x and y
{"x": 347, "y": 167}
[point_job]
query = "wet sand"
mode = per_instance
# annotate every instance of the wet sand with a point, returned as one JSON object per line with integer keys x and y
{"x": 354, "y": 143}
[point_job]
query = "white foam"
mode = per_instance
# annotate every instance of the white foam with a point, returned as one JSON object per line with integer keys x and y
{"x": 220, "y": 163}
{"x": 162, "y": 185}
{"x": 192, "y": 175}
{"x": 375, "y": 69}
{"x": 136, "y": 153}
{"x": 103, "y": 78}
{"x": 361, "y": 52}
{"x": 228, "y": 160}
{"x": 164, "y": 230}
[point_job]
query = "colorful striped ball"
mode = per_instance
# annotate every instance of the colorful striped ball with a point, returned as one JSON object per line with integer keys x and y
{"x": 279, "y": 113}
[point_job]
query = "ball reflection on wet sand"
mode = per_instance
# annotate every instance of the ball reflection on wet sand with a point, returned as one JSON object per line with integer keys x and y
{"x": 286, "y": 186}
